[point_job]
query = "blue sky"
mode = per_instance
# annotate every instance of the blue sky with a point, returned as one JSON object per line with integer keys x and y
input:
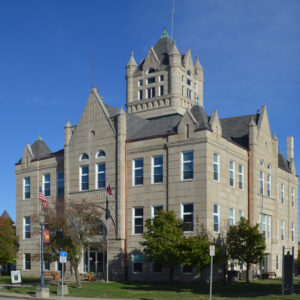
{"x": 249, "y": 51}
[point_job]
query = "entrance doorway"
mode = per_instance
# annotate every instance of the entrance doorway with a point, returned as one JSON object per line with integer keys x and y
{"x": 93, "y": 261}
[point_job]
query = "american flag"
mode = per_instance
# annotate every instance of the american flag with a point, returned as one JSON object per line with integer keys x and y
{"x": 43, "y": 198}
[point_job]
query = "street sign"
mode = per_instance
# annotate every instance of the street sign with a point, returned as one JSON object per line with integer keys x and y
{"x": 212, "y": 250}
{"x": 63, "y": 257}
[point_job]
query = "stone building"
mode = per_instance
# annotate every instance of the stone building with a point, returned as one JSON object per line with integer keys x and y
{"x": 167, "y": 153}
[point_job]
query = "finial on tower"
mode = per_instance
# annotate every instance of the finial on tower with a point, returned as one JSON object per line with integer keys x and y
{"x": 39, "y": 136}
{"x": 197, "y": 103}
{"x": 165, "y": 34}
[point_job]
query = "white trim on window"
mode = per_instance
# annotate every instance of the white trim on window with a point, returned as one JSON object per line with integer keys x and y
{"x": 137, "y": 171}
{"x": 138, "y": 220}
{"x": 282, "y": 230}
{"x": 216, "y": 167}
{"x": 293, "y": 197}
{"x": 241, "y": 177}
{"x": 84, "y": 174}
{"x": 187, "y": 165}
{"x": 293, "y": 232}
{"x": 26, "y": 228}
{"x": 137, "y": 258}
{"x": 232, "y": 173}
{"x": 269, "y": 185}
{"x": 282, "y": 193}
{"x": 26, "y": 188}
{"x": 232, "y": 216}
{"x": 241, "y": 213}
{"x": 46, "y": 184}
{"x": 216, "y": 220}
{"x": 155, "y": 208}
{"x": 262, "y": 183}
{"x": 187, "y": 216}
{"x": 157, "y": 169}
{"x": 101, "y": 175}
{"x": 277, "y": 263}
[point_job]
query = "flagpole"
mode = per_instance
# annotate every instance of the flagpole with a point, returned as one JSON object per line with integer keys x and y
{"x": 107, "y": 228}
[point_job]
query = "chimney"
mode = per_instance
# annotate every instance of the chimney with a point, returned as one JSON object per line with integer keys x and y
{"x": 290, "y": 148}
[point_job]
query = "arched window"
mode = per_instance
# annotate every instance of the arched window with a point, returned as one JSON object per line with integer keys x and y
{"x": 101, "y": 153}
{"x": 269, "y": 166}
{"x": 151, "y": 70}
{"x": 262, "y": 163}
{"x": 189, "y": 72}
{"x": 84, "y": 156}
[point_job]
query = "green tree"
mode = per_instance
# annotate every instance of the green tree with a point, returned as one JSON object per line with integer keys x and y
{"x": 246, "y": 244}
{"x": 162, "y": 240}
{"x": 8, "y": 242}
{"x": 80, "y": 222}
{"x": 195, "y": 250}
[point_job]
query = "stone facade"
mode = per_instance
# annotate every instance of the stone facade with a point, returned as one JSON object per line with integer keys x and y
{"x": 164, "y": 152}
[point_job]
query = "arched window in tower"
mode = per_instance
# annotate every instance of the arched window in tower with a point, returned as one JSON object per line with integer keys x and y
{"x": 84, "y": 156}
{"x": 187, "y": 131}
{"x": 150, "y": 70}
{"x": 189, "y": 72}
{"x": 269, "y": 166}
{"x": 262, "y": 163}
{"x": 101, "y": 153}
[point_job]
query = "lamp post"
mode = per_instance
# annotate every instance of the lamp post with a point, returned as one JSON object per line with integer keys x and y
{"x": 42, "y": 223}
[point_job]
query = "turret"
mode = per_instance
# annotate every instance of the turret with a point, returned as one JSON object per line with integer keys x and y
{"x": 130, "y": 69}
{"x": 290, "y": 148}
{"x": 252, "y": 134}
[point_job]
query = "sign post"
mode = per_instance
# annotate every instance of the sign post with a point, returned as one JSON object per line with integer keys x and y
{"x": 62, "y": 260}
{"x": 211, "y": 254}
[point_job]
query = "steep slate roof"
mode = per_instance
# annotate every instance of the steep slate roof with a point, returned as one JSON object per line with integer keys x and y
{"x": 201, "y": 117}
{"x": 161, "y": 126}
{"x": 236, "y": 129}
{"x": 163, "y": 48}
{"x": 283, "y": 164}
{"x": 40, "y": 149}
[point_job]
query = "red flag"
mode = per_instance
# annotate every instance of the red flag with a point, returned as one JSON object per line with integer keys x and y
{"x": 43, "y": 198}
{"x": 108, "y": 189}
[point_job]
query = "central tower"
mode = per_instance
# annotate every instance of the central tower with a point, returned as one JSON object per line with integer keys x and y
{"x": 166, "y": 81}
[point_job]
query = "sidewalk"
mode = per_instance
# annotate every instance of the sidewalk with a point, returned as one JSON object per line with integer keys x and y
{"x": 5, "y": 295}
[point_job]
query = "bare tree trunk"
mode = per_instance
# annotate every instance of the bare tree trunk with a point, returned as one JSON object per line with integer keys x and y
{"x": 77, "y": 275}
{"x": 247, "y": 274}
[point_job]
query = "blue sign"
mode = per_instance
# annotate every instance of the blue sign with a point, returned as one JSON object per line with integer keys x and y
{"x": 63, "y": 257}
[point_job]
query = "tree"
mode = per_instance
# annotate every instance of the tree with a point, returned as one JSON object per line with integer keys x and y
{"x": 79, "y": 222}
{"x": 246, "y": 244}
{"x": 222, "y": 254}
{"x": 195, "y": 250}
{"x": 8, "y": 242}
{"x": 162, "y": 240}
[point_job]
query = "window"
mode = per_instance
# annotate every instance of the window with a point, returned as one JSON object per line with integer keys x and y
{"x": 27, "y": 261}
{"x": 151, "y": 92}
{"x": 137, "y": 263}
{"x": 84, "y": 178}
{"x": 269, "y": 182}
{"x": 189, "y": 72}
{"x": 282, "y": 193}
{"x": 269, "y": 226}
{"x": 189, "y": 93}
{"x": 262, "y": 163}
{"x": 46, "y": 265}
{"x": 269, "y": 166}
{"x": 187, "y": 269}
{"x": 161, "y": 77}
{"x": 156, "y": 268}
{"x": 140, "y": 94}
{"x": 231, "y": 173}
{"x": 182, "y": 90}
{"x": 60, "y": 183}
{"x": 26, "y": 183}
{"x": 277, "y": 261}
{"x": 157, "y": 169}
{"x": 26, "y": 224}
{"x": 84, "y": 156}
{"x": 187, "y": 215}
{"x": 101, "y": 153}
{"x": 151, "y": 80}
{"x": 293, "y": 232}
{"x": 182, "y": 78}
{"x": 231, "y": 216}
{"x": 151, "y": 70}
{"x": 282, "y": 230}
{"x": 161, "y": 90}
{"x": 138, "y": 171}
{"x": 155, "y": 210}
{"x": 46, "y": 184}
{"x": 293, "y": 197}
{"x": 216, "y": 167}
{"x": 241, "y": 177}
{"x": 189, "y": 82}
{"x": 241, "y": 214}
{"x": 141, "y": 82}
{"x": 187, "y": 131}
{"x": 138, "y": 220}
{"x": 101, "y": 176}
{"x": 187, "y": 159}
{"x": 261, "y": 183}
{"x": 216, "y": 218}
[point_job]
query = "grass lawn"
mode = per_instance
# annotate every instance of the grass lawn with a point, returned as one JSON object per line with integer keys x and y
{"x": 258, "y": 289}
